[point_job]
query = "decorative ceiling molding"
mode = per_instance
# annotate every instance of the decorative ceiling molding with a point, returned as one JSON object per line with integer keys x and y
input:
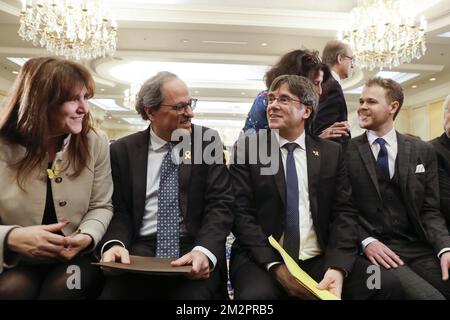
{"x": 6, "y": 7}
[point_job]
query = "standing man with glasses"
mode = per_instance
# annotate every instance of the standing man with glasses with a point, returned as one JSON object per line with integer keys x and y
{"x": 168, "y": 209}
{"x": 305, "y": 204}
{"x": 330, "y": 121}
{"x": 395, "y": 187}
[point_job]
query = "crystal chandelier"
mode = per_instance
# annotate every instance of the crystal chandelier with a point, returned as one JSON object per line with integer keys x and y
{"x": 77, "y": 29}
{"x": 130, "y": 94}
{"x": 384, "y": 33}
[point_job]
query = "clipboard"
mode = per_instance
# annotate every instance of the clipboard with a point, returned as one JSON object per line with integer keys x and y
{"x": 147, "y": 265}
{"x": 300, "y": 275}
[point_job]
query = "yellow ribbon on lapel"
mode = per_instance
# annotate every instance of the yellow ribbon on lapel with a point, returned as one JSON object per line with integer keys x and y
{"x": 53, "y": 173}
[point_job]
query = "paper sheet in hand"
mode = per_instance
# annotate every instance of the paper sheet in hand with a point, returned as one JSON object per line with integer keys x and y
{"x": 302, "y": 277}
{"x": 152, "y": 265}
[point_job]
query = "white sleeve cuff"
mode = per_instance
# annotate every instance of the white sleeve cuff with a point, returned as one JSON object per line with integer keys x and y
{"x": 208, "y": 253}
{"x": 442, "y": 251}
{"x": 367, "y": 241}
{"x": 271, "y": 264}
{"x": 108, "y": 242}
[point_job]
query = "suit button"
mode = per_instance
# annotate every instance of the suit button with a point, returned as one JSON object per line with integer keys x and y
{"x": 62, "y": 203}
{"x": 58, "y": 179}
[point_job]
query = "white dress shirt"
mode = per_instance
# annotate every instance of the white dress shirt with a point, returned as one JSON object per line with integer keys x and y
{"x": 336, "y": 76}
{"x": 309, "y": 245}
{"x": 391, "y": 146}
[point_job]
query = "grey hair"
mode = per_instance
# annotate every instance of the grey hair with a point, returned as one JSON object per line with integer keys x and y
{"x": 446, "y": 104}
{"x": 303, "y": 88}
{"x": 150, "y": 95}
{"x": 332, "y": 50}
{"x": 300, "y": 86}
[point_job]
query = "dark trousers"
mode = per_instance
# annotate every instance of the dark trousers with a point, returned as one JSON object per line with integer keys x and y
{"x": 52, "y": 281}
{"x": 252, "y": 281}
{"x": 421, "y": 276}
{"x": 142, "y": 286}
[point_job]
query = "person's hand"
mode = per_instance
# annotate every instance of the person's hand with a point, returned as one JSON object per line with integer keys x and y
{"x": 332, "y": 281}
{"x": 116, "y": 253}
{"x": 75, "y": 244}
{"x": 37, "y": 241}
{"x": 292, "y": 286}
{"x": 445, "y": 265}
{"x": 380, "y": 254}
{"x": 199, "y": 262}
{"x": 336, "y": 130}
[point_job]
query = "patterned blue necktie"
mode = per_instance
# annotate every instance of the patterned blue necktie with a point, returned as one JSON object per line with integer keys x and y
{"x": 291, "y": 242}
{"x": 168, "y": 227}
{"x": 382, "y": 159}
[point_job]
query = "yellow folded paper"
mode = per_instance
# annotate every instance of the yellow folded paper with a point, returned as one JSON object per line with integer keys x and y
{"x": 302, "y": 277}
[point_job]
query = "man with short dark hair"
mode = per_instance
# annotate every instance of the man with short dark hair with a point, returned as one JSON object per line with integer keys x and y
{"x": 395, "y": 187}
{"x": 442, "y": 147}
{"x": 167, "y": 209}
{"x": 302, "y": 197}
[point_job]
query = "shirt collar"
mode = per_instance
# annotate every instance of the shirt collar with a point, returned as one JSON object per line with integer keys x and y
{"x": 336, "y": 76}
{"x": 300, "y": 140}
{"x": 156, "y": 142}
{"x": 390, "y": 137}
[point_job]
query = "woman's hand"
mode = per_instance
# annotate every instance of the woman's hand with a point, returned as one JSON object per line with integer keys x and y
{"x": 75, "y": 244}
{"x": 37, "y": 241}
{"x": 336, "y": 130}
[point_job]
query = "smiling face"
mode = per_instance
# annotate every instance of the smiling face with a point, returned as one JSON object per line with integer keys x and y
{"x": 165, "y": 120}
{"x": 289, "y": 118}
{"x": 68, "y": 118}
{"x": 375, "y": 113}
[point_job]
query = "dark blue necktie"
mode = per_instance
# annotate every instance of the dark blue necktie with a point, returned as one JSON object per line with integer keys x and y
{"x": 291, "y": 242}
{"x": 168, "y": 226}
{"x": 382, "y": 159}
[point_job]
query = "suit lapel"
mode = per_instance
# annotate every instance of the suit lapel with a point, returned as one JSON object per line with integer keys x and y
{"x": 313, "y": 165}
{"x": 404, "y": 159}
{"x": 138, "y": 160}
{"x": 367, "y": 156}
{"x": 184, "y": 175}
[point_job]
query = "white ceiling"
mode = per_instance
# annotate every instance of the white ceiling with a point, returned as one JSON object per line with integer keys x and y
{"x": 230, "y": 32}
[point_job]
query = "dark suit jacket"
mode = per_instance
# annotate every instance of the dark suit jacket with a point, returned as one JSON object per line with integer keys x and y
{"x": 332, "y": 108}
{"x": 261, "y": 205}
{"x": 442, "y": 147}
{"x": 419, "y": 190}
{"x": 205, "y": 194}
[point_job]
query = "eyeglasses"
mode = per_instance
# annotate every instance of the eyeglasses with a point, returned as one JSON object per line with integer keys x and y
{"x": 348, "y": 57}
{"x": 282, "y": 100}
{"x": 180, "y": 108}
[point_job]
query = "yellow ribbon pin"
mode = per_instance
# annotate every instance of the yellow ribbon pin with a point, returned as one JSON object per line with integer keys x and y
{"x": 53, "y": 173}
{"x": 316, "y": 153}
{"x": 187, "y": 155}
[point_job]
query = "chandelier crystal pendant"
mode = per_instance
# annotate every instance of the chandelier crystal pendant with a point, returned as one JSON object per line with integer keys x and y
{"x": 384, "y": 33}
{"x": 76, "y": 29}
